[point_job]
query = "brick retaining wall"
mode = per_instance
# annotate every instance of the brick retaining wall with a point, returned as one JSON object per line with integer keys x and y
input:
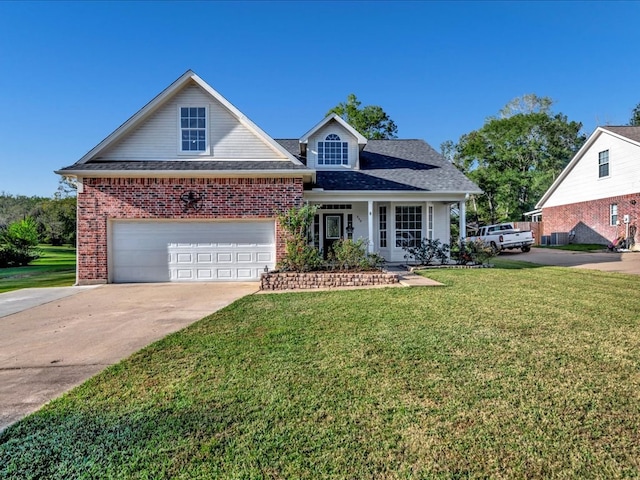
{"x": 310, "y": 280}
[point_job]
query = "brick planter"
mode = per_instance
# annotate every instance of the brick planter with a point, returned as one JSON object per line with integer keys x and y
{"x": 310, "y": 280}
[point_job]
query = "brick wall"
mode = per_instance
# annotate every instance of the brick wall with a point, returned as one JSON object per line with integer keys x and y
{"x": 591, "y": 220}
{"x": 147, "y": 198}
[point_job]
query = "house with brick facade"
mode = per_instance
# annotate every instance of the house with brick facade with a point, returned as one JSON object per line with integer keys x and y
{"x": 188, "y": 189}
{"x": 596, "y": 198}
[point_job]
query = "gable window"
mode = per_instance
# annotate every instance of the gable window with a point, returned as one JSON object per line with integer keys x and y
{"x": 603, "y": 164}
{"x": 333, "y": 151}
{"x": 613, "y": 214}
{"x": 193, "y": 129}
{"x": 408, "y": 226}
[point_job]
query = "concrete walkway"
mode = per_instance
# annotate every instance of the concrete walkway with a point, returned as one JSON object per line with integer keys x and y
{"x": 411, "y": 279}
{"x": 48, "y": 349}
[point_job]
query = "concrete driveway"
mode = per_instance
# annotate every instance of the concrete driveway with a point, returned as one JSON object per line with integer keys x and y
{"x": 46, "y": 350}
{"x": 626, "y": 262}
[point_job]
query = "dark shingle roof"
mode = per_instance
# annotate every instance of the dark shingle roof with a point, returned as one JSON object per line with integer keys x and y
{"x": 204, "y": 165}
{"x": 630, "y": 132}
{"x": 391, "y": 165}
{"x": 409, "y": 165}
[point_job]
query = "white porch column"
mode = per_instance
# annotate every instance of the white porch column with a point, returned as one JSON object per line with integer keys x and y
{"x": 370, "y": 217}
{"x": 463, "y": 219}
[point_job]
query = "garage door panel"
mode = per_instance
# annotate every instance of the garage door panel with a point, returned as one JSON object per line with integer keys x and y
{"x": 191, "y": 251}
{"x": 224, "y": 257}
{"x": 265, "y": 257}
{"x": 184, "y": 258}
{"x": 245, "y": 273}
{"x": 205, "y": 258}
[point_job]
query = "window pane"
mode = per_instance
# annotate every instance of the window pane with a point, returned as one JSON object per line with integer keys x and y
{"x": 193, "y": 112}
{"x": 201, "y": 123}
{"x": 200, "y": 112}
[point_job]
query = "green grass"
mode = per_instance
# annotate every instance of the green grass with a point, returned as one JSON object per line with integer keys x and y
{"x": 576, "y": 247}
{"x": 55, "y": 268}
{"x": 518, "y": 371}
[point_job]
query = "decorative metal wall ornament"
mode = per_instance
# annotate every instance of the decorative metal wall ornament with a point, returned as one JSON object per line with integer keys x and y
{"x": 192, "y": 200}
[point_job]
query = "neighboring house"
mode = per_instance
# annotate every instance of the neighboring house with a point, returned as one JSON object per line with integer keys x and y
{"x": 596, "y": 198}
{"x": 188, "y": 189}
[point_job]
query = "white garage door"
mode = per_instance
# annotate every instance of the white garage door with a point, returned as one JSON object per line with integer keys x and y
{"x": 191, "y": 251}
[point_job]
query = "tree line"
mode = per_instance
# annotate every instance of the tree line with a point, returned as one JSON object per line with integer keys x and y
{"x": 26, "y": 222}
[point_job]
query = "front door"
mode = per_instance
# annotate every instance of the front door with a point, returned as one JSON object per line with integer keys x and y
{"x": 332, "y": 231}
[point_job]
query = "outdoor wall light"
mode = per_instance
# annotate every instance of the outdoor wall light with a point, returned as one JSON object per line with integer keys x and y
{"x": 350, "y": 230}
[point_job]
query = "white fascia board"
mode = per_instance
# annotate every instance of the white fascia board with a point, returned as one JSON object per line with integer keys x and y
{"x": 305, "y": 174}
{"x": 317, "y": 195}
{"x": 361, "y": 139}
{"x": 163, "y": 97}
{"x": 576, "y": 158}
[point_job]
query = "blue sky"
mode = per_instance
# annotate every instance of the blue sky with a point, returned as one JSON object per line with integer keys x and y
{"x": 70, "y": 73}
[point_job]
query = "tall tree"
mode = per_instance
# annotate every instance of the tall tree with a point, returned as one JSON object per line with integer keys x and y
{"x": 635, "y": 116}
{"x": 371, "y": 120}
{"x": 516, "y": 157}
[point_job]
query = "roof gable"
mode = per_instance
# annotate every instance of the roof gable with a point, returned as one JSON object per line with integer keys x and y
{"x": 625, "y": 135}
{"x": 263, "y": 145}
{"x": 331, "y": 118}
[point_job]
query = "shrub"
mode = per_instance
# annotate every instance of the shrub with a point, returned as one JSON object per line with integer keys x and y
{"x": 426, "y": 251}
{"x": 18, "y": 243}
{"x": 299, "y": 255}
{"x": 352, "y": 255}
{"x": 479, "y": 252}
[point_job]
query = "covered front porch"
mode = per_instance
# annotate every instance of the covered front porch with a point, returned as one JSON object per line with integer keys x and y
{"x": 387, "y": 224}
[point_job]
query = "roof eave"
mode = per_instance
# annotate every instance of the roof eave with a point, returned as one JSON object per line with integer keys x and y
{"x": 306, "y": 174}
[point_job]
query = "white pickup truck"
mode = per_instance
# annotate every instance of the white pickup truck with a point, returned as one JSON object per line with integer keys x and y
{"x": 504, "y": 236}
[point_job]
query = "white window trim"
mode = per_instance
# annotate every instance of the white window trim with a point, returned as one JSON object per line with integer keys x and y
{"x": 608, "y": 175}
{"x": 395, "y": 230}
{"x": 611, "y": 214}
{"x": 323, "y": 140}
{"x": 191, "y": 153}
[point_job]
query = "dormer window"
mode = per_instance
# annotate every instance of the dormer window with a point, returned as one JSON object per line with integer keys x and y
{"x": 193, "y": 129}
{"x": 333, "y": 151}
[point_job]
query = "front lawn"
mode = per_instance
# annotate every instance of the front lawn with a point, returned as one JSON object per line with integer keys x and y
{"x": 503, "y": 373}
{"x": 55, "y": 268}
